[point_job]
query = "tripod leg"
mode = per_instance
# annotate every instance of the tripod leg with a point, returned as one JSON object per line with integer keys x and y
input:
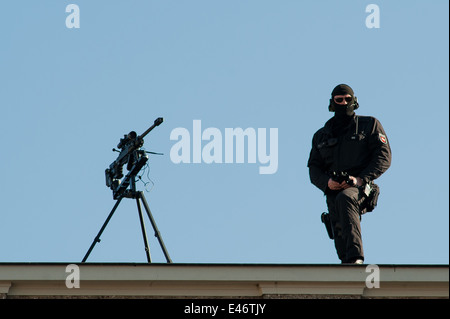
{"x": 144, "y": 233}
{"x": 97, "y": 238}
{"x": 157, "y": 233}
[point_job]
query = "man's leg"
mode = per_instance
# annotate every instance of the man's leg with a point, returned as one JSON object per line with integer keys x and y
{"x": 339, "y": 242}
{"x": 347, "y": 206}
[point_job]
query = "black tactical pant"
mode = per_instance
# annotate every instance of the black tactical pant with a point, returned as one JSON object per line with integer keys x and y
{"x": 344, "y": 208}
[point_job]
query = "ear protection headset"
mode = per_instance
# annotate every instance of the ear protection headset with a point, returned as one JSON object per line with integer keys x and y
{"x": 355, "y": 104}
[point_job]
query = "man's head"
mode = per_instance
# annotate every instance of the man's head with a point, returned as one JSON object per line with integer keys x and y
{"x": 343, "y": 101}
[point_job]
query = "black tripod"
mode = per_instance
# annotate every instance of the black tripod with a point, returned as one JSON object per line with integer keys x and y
{"x": 139, "y": 196}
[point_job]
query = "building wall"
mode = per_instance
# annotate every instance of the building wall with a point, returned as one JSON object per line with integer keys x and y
{"x": 92, "y": 280}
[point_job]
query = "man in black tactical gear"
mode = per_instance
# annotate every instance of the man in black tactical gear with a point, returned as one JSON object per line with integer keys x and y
{"x": 358, "y": 147}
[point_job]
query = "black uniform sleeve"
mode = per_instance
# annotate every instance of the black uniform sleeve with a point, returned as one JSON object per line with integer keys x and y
{"x": 316, "y": 168}
{"x": 380, "y": 154}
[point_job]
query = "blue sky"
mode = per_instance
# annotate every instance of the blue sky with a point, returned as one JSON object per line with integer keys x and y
{"x": 68, "y": 95}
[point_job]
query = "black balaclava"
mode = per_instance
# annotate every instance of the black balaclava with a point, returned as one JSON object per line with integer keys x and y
{"x": 342, "y": 113}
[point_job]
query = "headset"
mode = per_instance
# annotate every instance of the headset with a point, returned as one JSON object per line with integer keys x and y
{"x": 355, "y": 104}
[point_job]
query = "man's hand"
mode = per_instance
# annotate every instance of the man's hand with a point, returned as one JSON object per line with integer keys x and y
{"x": 357, "y": 181}
{"x": 333, "y": 185}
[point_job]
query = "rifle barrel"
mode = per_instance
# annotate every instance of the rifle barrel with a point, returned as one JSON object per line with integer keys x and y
{"x": 158, "y": 121}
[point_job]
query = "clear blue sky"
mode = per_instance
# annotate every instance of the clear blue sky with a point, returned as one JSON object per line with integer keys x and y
{"x": 68, "y": 95}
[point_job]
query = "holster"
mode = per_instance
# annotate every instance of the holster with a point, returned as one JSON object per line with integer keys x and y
{"x": 371, "y": 199}
{"x": 325, "y": 217}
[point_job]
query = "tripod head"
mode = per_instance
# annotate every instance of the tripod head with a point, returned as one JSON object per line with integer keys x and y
{"x": 131, "y": 154}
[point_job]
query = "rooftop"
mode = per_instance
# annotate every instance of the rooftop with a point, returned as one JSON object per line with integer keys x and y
{"x": 283, "y": 281}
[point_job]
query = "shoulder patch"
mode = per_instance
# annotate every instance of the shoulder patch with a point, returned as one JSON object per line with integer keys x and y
{"x": 382, "y": 138}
